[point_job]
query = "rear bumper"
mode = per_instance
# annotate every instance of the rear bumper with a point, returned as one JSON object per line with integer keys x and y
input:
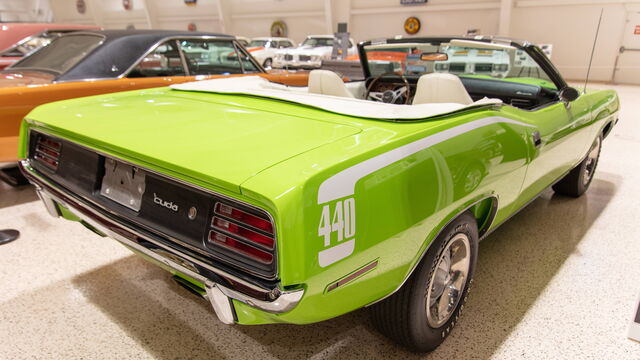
{"x": 219, "y": 295}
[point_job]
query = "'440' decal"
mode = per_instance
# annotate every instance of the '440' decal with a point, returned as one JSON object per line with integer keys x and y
{"x": 337, "y": 217}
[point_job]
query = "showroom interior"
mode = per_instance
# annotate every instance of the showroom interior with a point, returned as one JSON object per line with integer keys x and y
{"x": 161, "y": 197}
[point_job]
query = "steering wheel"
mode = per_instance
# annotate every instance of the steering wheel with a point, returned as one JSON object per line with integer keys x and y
{"x": 388, "y": 96}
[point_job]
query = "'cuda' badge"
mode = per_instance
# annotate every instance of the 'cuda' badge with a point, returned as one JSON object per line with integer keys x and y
{"x": 168, "y": 204}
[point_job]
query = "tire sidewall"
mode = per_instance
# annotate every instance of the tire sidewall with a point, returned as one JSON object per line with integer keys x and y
{"x": 429, "y": 338}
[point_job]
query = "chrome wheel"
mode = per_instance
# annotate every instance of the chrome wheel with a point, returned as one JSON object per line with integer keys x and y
{"x": 448, "y": 281}
{"x": 591, "y": 161}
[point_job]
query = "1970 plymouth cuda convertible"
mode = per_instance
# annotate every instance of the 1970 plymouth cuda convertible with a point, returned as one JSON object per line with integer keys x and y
{"x": 299, "y": 204}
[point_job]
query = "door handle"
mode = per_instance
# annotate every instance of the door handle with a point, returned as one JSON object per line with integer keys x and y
{"x": 537, "y": 141}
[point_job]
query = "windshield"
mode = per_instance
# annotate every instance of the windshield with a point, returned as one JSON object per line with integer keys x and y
{"x": 259, "y": 43}
{"x": 315, "y": 42}
{"x": 62, "y": 54}
{"x": 506, "y": 63}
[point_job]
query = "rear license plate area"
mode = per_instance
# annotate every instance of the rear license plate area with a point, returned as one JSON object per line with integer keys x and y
{"x": 123, "y": 183}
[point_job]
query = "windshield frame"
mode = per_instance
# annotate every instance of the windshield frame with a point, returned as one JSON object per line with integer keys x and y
{"x": 532, "y": 50}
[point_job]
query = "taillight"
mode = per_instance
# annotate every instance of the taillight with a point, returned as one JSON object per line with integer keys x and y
{"x": 47, "y": 152}
{"x": 242, "y": 232}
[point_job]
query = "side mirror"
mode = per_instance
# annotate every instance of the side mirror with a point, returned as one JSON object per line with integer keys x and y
{"x": 568, "y": 94}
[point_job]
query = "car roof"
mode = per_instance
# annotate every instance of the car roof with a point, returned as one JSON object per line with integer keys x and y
{"x": 12, "y": 33}
{"x": 121, "y": 49}
{"x": 321, "y": 36}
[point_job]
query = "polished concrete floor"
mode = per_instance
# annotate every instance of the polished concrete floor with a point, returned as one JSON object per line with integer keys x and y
{"x": 558, "y": 281}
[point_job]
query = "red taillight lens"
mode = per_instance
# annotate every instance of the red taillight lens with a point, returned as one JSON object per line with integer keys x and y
{"x": 235, "y": 245}
{"x": 47, "y": 152}
{"x": 244, "y": 217}
{"x": 242, "y": 232}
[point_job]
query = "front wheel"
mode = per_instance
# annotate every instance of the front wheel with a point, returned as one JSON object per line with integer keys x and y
{"x": 577, "y": 181}
{"x": 426, "y": 308}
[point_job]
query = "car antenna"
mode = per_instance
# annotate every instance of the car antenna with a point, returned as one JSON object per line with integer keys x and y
{"x": 593, "y": 49}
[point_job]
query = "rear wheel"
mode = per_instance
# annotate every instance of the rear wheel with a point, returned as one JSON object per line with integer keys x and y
{"x": 577, "y": 181}
{"x": 427, "y": 307}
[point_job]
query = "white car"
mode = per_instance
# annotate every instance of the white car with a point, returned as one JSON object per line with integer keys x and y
{"x": 264, "y": 49}
{"x": 310, "y": 53}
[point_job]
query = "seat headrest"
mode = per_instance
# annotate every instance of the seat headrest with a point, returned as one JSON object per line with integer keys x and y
{"x": 327, "y": 82}
{"x": 441, "y": 88}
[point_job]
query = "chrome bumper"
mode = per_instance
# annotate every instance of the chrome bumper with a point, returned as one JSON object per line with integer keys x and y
{"x": 218, "y": 295}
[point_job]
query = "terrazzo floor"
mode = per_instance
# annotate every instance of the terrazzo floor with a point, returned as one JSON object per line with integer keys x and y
{"x": 558, "y": 281}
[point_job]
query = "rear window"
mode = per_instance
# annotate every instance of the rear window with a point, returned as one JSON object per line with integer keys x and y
{"x": 62, "y": 54}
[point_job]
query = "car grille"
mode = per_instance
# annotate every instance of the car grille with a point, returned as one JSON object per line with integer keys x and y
{"x": 288, "y": 57}
{"x": 187, "y": 225}
{"x": 304, "y": 58}
{"x": 484, "y": 68}
{"x": 457, "y": 67}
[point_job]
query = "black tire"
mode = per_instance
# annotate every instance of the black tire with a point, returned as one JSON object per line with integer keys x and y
{"x": 403, "y": 316}
{"x": 577, "y": 181}
{"x": 267, "y": 63}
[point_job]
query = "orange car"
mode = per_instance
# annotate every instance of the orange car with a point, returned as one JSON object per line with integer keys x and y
{"x": 20, "y": 39}
{"x": 98, "y": 62}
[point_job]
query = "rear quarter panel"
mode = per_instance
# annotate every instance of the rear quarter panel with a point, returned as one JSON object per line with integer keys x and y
{"x": 395, "y": 211}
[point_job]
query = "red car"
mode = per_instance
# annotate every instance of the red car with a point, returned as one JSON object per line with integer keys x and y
{"x": 20, "y": 39}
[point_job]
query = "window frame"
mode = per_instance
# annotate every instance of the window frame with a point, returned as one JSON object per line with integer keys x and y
{"x": 152, "y": 48}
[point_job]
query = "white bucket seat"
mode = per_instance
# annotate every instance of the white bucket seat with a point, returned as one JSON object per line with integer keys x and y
{"x": 327, "y": 82}
{"x": 441, "y": 88}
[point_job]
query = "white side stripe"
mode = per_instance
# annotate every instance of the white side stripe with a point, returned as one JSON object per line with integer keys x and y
{"x": 338, "y": 252}
{"x": 343, "y": 183}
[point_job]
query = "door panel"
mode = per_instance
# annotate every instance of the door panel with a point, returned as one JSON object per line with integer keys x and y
{"x": 564, "y": 135}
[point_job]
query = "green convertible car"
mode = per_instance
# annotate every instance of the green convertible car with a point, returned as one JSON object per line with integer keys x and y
{"x": 284, "y": 204}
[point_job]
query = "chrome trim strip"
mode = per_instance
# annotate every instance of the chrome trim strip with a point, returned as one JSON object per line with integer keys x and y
{"x": 284, "y": 301}
{"x": 185, "y": 183}
{"x": 354, "y": 275}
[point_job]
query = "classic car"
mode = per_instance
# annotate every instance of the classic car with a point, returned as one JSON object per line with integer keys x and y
{"x": 285, "y": 204}
{"x": 97, "y": 62}
{"x": 264, "y": 49}
{"x": 310, "y": 53}
{"x": 20, "y": 39}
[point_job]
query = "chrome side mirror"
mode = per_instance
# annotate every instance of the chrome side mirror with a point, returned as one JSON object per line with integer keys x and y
{"x": 568, "y": 95}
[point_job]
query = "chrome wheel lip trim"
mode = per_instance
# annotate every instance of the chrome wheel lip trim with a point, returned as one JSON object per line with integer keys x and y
{"x": 431, "y": 318}
{"x": 592, "y": 159}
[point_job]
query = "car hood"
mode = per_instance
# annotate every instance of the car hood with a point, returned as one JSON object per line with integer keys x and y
{"x": 9, "y": 78}
{"x": 219, "y": 139}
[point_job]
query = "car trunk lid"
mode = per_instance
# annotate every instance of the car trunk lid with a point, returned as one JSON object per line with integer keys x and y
{"x": 219, "y": 141}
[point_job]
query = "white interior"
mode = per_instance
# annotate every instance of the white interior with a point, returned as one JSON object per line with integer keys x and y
{"x": 346, "y": 105}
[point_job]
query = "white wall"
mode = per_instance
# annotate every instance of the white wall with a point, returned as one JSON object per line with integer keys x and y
{"x": 567, "y": 24}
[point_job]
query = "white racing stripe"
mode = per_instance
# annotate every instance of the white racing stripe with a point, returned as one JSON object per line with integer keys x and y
{"x": 338, "y": 252}
{"x": 343, "y": 183}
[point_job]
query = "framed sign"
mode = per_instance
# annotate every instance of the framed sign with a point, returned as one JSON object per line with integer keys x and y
{"x": 412, "y": 25}
{"x": 192, "y": 27}
{"x": 81, "y": 6}
{"x": 127, "y": 4}
{"x": 279, "y": 29}
{"x": 190, "y": 2}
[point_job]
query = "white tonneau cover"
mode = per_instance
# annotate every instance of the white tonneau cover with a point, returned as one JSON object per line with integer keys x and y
{"x": 257, "y": 86}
